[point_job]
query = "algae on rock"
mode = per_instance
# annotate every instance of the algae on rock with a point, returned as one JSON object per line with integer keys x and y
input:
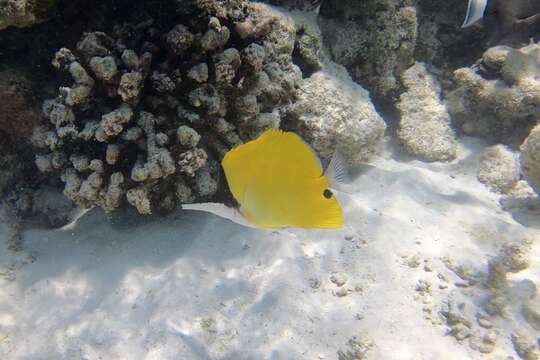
{"x": 424, "y": 126}
{"x": 334, "y": 112}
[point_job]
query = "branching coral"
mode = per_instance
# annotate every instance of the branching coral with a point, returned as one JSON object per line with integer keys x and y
{"x": 150, "y": 112}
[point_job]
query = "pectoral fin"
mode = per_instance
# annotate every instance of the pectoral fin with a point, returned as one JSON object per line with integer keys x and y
{"x": 337, "y": 174}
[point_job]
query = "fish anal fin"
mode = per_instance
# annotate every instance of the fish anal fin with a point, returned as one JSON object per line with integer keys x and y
{"x": 220, "y": 210}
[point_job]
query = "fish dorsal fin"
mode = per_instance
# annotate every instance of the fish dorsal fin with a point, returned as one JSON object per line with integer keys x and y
{"x": 313, "y": 152}
{"x": 220, "y": 210}
{"x": 475, "y": 11}
{"x": 337, "y": 173}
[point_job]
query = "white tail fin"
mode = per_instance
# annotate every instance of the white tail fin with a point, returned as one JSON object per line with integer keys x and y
{"x": 220, "y": 210}
{"x": 337, "y": 173}
{"x": 475, "y": 11}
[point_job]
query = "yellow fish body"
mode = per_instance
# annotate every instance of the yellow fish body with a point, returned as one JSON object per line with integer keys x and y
{"x": 279, "y": 182}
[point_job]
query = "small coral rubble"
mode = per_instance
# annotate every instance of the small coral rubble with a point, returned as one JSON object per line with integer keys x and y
{"x": 499, "y": 169}
{"x": 150, "y": 113}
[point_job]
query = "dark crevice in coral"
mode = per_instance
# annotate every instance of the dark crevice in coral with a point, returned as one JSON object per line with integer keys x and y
{"x": 306, "y": 52}
{"x": 390, "y": 114}
{"x": 31, "y": 49}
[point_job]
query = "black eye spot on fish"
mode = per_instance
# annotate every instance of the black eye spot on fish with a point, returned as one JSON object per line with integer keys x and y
{"x": 327, "y": 193}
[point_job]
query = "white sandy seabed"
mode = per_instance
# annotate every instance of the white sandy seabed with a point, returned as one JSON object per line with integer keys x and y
{"x": 193, "y": 286}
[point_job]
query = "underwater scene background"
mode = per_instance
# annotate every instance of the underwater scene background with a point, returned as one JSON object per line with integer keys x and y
{"x": 395, "y": 215}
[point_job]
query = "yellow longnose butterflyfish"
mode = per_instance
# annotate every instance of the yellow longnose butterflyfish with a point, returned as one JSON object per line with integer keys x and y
{"x": 278, "y": 182}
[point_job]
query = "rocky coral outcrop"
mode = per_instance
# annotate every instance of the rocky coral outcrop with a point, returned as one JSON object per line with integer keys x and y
{"x": 424, "y": 126}
{"x": 521, "y": 196}
{"x": 374, "y": 39}
{"x": 150, "y": 113}
{"x": 530, "y": 158}
{"x": 23, "y": 13}
{"x": 499, "y": 169}
{"x": 334, "y": 112}
{"x": 500, "y": 98}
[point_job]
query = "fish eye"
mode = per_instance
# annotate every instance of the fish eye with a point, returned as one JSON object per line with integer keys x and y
{"x": 327, "y": 193}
